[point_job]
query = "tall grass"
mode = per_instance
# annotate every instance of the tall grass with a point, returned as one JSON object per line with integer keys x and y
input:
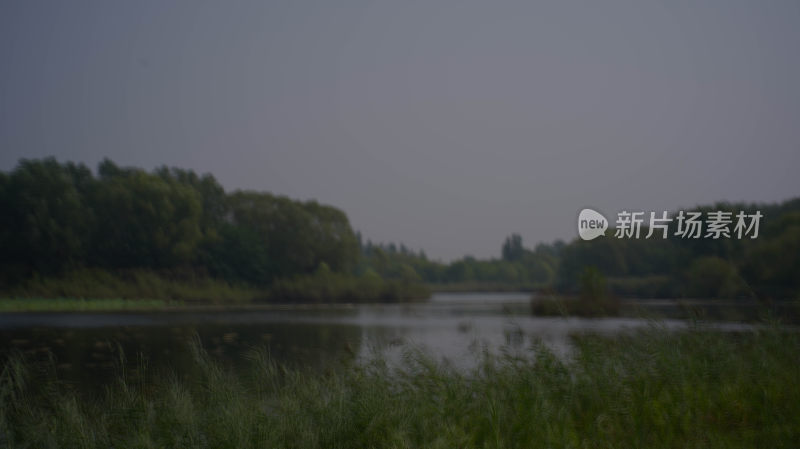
{"x": 653, "y": 389}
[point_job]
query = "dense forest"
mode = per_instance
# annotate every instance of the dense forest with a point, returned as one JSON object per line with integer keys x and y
{"x": 125, "y": 232}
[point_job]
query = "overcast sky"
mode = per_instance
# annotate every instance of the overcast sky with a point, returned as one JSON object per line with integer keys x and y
{"x": 445, "y": 125}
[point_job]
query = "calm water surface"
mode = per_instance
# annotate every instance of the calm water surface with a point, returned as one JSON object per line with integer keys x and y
{"x": 86, "y": 347}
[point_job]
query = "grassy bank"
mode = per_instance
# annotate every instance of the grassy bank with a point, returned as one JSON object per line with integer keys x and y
{"x": 93, "y": 289}
{"x": 132, "y": 285}
{"x": 80, "y": 305}
{"x": 647, "y": 389}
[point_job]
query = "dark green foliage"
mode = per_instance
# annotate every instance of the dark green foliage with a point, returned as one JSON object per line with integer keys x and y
{"x": 512, "y": 248}
{"x": 287, "y": 237}
{"x": 144, "y": 221}
{"x": 238, "y": 252}
{"x": 60, "y": 218}
{"x": 46, "y": 218}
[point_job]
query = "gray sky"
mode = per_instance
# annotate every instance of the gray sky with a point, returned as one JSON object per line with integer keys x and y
{"x": 446, "y": 125}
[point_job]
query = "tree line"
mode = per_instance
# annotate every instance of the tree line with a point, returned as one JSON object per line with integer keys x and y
{"x": 59, "y": 217}
{"x": 764, "y": 268}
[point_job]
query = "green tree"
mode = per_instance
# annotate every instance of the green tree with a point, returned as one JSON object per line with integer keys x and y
{"x": 145, "y": 221}
{"x": 46, "y": 221}
{"x": 512, "y": 248}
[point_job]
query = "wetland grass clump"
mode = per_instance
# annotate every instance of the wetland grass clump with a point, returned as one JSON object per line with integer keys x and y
{"x": 593, "y": 300}
{"x": 652, "y": 388}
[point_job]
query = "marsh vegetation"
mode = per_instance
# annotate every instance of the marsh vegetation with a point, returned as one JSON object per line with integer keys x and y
{"x": 651, "y": 388}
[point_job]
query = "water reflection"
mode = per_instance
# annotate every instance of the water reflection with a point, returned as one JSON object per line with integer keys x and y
{"x": 86, "y": 347}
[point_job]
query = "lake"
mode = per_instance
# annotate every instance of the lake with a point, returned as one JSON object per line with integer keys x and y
{"x": 86, "y": 347}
